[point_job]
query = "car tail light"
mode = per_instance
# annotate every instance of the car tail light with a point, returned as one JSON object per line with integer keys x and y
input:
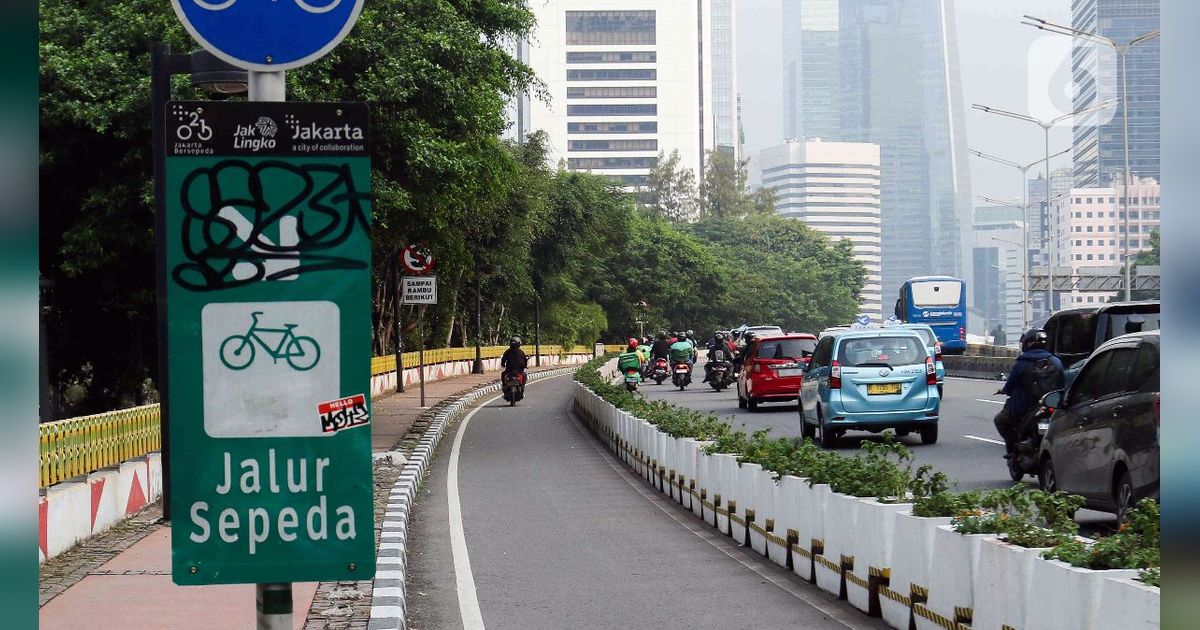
{"x": 835, "y": 376}
{"x": 962, "y": 332}
{"x": 930, "y": 372}
{"x": 937, "y": 351}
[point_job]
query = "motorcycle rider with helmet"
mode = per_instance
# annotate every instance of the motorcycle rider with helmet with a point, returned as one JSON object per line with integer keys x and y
{"x": 661, "y": 348}
{"x": 514, "y": 360}
{"x": 1035, "y": 373}
{"x": 718, "y": 342}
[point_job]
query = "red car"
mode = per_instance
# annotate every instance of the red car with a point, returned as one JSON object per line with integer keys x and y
{"x": 771, "y": 371}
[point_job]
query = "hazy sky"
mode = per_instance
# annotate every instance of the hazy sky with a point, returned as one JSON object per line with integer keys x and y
{"x": 995, "y": 53}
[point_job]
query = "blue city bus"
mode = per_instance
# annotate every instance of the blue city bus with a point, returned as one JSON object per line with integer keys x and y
{"x": 940, "y": 302}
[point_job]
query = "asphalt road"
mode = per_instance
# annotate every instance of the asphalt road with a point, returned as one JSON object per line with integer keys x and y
{"x": 968, "y": 449}
{"x": 530, "y": 523}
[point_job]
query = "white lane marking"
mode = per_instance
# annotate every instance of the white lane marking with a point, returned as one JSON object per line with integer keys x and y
{"x": 468, "y": 600}
{"x": 707, "y": 536}
{"x": 994, "y": 402}
{"x": 983, "y": 439}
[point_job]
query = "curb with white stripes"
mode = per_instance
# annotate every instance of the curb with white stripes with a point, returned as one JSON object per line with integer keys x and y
{"x": 387, "y": 596}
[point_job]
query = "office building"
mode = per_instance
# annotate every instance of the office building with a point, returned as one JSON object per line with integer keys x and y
{"x": 886, "y": 72}
{"x": 1098, "y": 143}
{"x": 1091, "y": 230}
{"x": 626, "y": 80}
{"x": 834, "y": 187}
{"x": 998, "y": 274}
{"x": 725, "y": 105}
{"x": 1039, "y": 230}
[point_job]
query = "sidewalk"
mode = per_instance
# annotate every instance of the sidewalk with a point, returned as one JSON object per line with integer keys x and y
{"x": 122, "y": 578}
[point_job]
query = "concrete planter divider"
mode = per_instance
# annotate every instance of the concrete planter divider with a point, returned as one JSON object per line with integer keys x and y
{"x": 913, "y": 571}
{"x": 1002, "y": 593}
{"x": 954, "y": 571}
{"x": 876, "y": 522}
{"x": 1059, "y": 582}
{"x": 912, "y": 563}
{"x": 1127, "y": 604}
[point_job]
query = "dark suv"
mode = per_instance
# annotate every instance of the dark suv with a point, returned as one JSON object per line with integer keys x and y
{"x": 1074, "y": 333}
{"x": 1102, "y": 439}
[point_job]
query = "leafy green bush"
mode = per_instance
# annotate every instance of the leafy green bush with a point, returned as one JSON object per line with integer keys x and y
{"x": 1023, "y": 516}
{"x": 1134, "y": 546}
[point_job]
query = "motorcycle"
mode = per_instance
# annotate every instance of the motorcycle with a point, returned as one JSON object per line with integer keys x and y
{"x": 1025, "y": 460}
{"x": 660, "y": 371}
{"x": 682, "y": 376}
{"x": 720, "y": 373}
{"x": 632, "y": 378}
{"x": 513, "y": 387}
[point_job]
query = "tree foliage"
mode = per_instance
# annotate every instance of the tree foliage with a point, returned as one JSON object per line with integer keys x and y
{"x": 671, "y": 189}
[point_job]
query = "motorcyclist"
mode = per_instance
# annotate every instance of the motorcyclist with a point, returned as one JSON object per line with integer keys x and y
{"x": 661, "y": 349}
{"x": 718, "y": 342}
{"x": 630, "y": 359}
{"x": 691, "y": 337}
{"x": 1035, "y": 373}
{"x": 642, "y": 349}
{"x": 743, "y": 347}
{"x": 514, "y": 360}
{"x": 682, "y": 350}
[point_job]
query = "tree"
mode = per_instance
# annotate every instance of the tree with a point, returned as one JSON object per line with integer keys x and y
{"x": 1150, "y": 257}
{"x": 671, "y": 190}
{"x": 725, "y": 195}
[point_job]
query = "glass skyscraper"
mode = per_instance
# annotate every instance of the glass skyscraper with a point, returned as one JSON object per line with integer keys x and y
{"x": 886, "y": 72}
{"x": 724, "y": 78}
{"x": 1099, "y": 148}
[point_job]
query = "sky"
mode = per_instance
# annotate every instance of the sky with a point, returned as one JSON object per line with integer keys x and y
{"x": 1003, "y": 64}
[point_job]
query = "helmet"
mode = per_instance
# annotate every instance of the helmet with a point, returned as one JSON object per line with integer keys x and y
{"x": 514, "y": 342}
{"x": 691, "y": 334}
{"x": 633, "y": 342}
{"x": 720, "y": 336}
{"x": 1034, "y": 338}
{"x": 662, "y": 334}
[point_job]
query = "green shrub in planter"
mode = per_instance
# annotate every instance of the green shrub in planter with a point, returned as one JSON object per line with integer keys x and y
{"x": 1023, "y": 517}
{"x": 1134, "y": 546}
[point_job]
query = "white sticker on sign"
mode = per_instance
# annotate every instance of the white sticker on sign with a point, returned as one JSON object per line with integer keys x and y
{"x": 267, "y": 365}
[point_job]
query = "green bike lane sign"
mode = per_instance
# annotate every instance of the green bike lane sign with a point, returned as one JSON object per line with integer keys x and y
{"x": 268, "y": 278}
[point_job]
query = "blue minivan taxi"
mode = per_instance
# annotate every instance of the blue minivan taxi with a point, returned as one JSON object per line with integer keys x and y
{"x": 870, "y": 380}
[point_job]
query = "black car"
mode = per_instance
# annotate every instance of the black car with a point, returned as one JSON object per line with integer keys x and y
{"x": 1102, "y": 439}
{"x": 1074, "y": 333}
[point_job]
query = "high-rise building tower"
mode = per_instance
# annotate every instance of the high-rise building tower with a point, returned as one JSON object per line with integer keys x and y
{"x": 626, "y": 80}
{"x": 1099, "y": 147}
{"x": 834, "y": 188}
{"x": 886, "y": 72}
{"x": 725, "y": 104}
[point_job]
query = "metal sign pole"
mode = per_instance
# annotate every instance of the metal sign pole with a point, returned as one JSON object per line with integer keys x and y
{"x": 421, "y": 350}
{"x": 273, "y": 601}
{"x": 399, "y": 332}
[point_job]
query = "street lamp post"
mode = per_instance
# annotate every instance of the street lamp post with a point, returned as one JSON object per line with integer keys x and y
{"x": 1046, "y": 125}
{"x": 1023, "y": 169}
{"x": 1121, "y": 49}
{"x": 215, "y": 77}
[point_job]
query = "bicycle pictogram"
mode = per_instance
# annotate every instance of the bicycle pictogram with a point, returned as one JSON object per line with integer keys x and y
{"x": 318, "y": 7}
{"x": 238, "y": 351}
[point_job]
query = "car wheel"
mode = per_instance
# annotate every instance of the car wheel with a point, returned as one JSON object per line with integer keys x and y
{"x": 752, "y": 404}
{"x": 827, "y": 439}
{"x": 1123, "y": 496}
{"x": 741, "y": 403}
{"x": 929, "y": 434}
{"x": 1047, "y": 478}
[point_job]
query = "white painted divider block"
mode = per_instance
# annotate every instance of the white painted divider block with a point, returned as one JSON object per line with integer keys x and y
{"x": 764, "y": 507}
{"x": 726, "y": 484}
{"x": 1075, "y": 592}
{"x": 742, "y": 482}
{"x": 955, "y": 569}
{"x": 786, "y": 509}
{"x": 703, "y": 482}
{"x": 876, "y": 524}
{"x": 132, "y": 484}
{"x": 811, "y": 503}
{"x": 841, "y": 534}
{"x": 665, "y": 447}
{"x": 106, "y": 499}
{"x": 912, "y": 557}
{"x": 1127, "y": 604}
{"x": 154, "y": 477}
{"x": 685, "y": 467}
{"x": 1001, "y": 591}
{"x": 68, "y": 515}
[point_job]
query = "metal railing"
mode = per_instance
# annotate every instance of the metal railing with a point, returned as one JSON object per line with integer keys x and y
{"x": 77, "y": 446}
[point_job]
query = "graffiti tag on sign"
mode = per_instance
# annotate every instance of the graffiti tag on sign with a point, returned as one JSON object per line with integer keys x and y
{"x": 344, "y": 413}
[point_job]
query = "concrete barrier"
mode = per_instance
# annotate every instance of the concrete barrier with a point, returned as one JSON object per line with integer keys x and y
{"x": 912, "y": 571}
{"x": 988, "y": 368}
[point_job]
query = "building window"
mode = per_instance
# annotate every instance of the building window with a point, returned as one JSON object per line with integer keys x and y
{"x": 1078, "y": 257}
{"x": 1089, "y": 200}
{"x": 1112, "y": 215}
{"x": 1078, "y": 243}
{"x": 1089, "y": 215}
{"x": 612, "y": 75}
{"x": 1090, "y": 298}
{"x": 612, "y": 127}
{"x": 1089, "y": 242}
{"x": 1089, "y": 228}
{"x": 611, "y": 162}
{"x": 1089, "y": 256}
{"x": 1112, "y": 242}
{"x": 1078, "y": 229}
{"x": 612, "y": 110}
{"x": 612, "y": 92}
{"x": 1112, "y": 228}
{"x": 631, "y": 180}
{"x": 1110, "y": 200}
{"x": 612, "y": 57}
{"x": 1079, "y": 200}
{"x": 1078, "y": 215}
{"x": 610, "y": 27}
{"x": 612, "y": 145}
{"x": 1133, "y": 214}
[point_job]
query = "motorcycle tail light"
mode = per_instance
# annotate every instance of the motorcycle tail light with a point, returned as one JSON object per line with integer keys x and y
{"x": 835, "y": 376}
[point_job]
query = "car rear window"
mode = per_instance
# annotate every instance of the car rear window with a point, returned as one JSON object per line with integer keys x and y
{"x": 926, "y": 335}
{"x": 1076, "y": 334}
{"x": 1125, "y": 323}
{"x": 765, "y": 331}
{"x": 936, "y": 293}
{"x": 891, "y": 351}
{"x": 786, "y": 348}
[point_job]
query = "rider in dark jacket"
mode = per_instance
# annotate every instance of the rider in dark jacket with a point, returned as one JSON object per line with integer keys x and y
{"x": 514, "y": 360}
{"x": 1034, "y": 359}
{"x": 661, "y": 347}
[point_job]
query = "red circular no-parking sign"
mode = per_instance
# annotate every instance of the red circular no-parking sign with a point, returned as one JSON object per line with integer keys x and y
{"x": 417, "y": 259}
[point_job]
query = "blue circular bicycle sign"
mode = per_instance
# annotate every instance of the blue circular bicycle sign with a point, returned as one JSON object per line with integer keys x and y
{"x": 268, "y": 35}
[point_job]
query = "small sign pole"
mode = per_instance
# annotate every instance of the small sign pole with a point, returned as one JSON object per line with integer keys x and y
{"x": 421, "y": 350}
{"x": 399, "y": 315}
